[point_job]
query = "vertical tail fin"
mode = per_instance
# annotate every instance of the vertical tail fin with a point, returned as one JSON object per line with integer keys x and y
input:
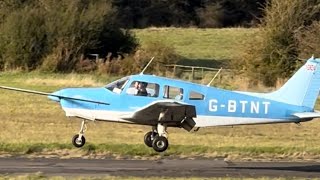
{"x": 302, "y": 88}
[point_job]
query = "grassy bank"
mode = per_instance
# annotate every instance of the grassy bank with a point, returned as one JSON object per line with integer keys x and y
{"x": 33, "y": 125}
{"x": 201, "y": 47}
{"x": 41, "y": 176}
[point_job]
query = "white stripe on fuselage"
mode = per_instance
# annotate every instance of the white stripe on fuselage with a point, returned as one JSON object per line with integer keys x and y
{"x": 115, "y": 116}
{"x": 201, "y": 121}
{"x": 206, "y": 121}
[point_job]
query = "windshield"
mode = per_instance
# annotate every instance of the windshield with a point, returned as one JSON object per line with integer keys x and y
{"x": 117, "y": 85}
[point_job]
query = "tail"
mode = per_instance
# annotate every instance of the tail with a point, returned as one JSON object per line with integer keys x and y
{"x": 302, "y": 89}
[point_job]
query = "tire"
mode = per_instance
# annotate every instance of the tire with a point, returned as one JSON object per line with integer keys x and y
{"x": 78, "y": 143}
{"x": 160, "y": 144}
{"x": 148, "y": 138}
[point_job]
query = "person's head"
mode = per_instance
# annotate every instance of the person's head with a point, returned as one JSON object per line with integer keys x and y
{"x": 142, "y": 85}
{"x": 136, "y": 84}
{"x": 181, "y": 91}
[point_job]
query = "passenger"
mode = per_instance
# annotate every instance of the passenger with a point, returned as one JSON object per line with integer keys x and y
{"x": 180, "y": 96}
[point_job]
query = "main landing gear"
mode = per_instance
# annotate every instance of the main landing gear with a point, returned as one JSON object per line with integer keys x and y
{"x": 79, "y": 140}
{"x": 157, "y": 138}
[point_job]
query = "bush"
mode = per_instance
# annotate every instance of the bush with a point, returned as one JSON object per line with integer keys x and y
{"x": 275, "y": 54}
{"x": 309, "y": 41}
{"x": 163, "y": 55}
{"x": 133, "y": 64}
{"x": 83, "y": 28}
{"x": 56, "y": 34}
{"x": 23, "y": 39}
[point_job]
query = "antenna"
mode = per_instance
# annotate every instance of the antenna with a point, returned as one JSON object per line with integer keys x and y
{"x": 214, "y": 77}
{"x": 146, "y": 66}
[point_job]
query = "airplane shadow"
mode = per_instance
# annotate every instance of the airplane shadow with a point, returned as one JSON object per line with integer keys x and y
{"x": 306, "y": 168}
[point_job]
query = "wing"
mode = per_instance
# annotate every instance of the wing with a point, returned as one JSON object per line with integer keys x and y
{"x": 50, "y": 94}
{"x": 170, "y": 112}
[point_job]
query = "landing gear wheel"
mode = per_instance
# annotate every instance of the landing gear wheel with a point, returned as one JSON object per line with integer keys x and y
{"x": 77, "y": 142}
{"x": 149, "y": 137}
{"x": 160, "y": 143}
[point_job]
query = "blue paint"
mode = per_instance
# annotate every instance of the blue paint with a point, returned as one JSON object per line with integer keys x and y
{"x": 297, "y": 95}
{"x": 303, "y": 88}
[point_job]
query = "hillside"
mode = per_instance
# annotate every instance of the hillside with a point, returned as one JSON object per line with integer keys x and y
{"x": 197, "y": 46}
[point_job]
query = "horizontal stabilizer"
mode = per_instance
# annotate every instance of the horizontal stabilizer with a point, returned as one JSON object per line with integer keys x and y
{"x": 50, "y": 94}
{"x": 304, "y": 115}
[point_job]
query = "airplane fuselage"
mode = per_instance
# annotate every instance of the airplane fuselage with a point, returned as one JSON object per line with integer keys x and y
{"x": 214, "y": 107}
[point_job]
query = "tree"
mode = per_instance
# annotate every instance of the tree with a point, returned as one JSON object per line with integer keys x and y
{"x": 185, "y": 13}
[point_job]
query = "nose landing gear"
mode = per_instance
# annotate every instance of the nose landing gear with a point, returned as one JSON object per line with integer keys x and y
{"x": 79, "y": 140}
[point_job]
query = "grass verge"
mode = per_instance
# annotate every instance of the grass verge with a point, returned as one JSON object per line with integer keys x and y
{"x": 33, "y": 125}
{"x": 37, "y": 176}
{"x": 140, "y": 151}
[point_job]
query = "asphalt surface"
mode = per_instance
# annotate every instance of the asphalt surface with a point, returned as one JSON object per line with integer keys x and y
{"x": 163, "y": 168}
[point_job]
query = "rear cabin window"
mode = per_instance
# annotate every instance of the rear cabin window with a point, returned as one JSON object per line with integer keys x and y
{"x": 140, "y": 88}
{"x": 171, "y": 92}
{"x": 196, "y": 96}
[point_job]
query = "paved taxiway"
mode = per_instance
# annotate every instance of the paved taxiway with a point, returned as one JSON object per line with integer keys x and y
{"x": 164, "y": 167}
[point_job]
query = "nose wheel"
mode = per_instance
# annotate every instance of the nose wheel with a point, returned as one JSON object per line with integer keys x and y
{"x": 79, "y": 140}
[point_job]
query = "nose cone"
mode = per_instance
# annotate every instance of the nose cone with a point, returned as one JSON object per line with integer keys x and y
{"x": 55, "y": 96}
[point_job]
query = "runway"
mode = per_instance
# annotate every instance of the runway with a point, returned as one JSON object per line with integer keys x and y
{"x": 163, "y": 168}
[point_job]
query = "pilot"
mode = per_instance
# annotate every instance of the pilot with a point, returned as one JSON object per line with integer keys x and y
{"x": 141, "y": 88}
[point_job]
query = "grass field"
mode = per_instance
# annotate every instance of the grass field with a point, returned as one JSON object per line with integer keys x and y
{"x": 33, "y": 125}
{"x": 200, "y": 47}
{"x": 41, "y": 177}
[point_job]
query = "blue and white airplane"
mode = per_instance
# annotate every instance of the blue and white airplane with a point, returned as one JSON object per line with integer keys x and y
{"x": 161, "y": 102}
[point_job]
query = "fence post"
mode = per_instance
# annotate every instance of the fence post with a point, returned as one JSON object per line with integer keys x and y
{"x": 192, "y": 78}
{"x": 202, "y": 73}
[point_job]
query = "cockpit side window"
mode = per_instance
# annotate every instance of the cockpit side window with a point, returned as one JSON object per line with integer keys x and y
{"x": 141, "y": 88}
{"x": 117, "y": 86}
{"x": 171, "y": 92}
{"x": 195, "y": 96}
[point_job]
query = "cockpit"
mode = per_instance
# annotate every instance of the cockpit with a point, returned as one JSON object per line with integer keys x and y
{"x": 118, "y": 85}
{"x": 132, "y": 87}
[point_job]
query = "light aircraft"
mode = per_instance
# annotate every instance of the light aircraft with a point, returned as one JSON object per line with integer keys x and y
{"x": 175, "y": 103}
